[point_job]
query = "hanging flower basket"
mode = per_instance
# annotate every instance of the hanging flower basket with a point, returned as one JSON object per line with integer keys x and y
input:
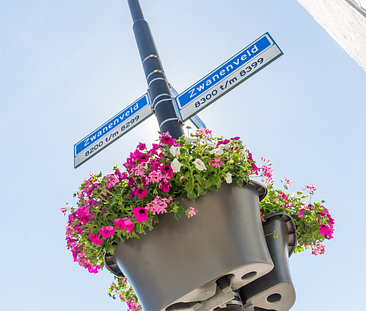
{"x": 179, "y": 261}
{"x": 127, "y": 221}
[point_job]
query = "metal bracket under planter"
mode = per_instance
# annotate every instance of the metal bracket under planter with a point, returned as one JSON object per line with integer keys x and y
{"x": 224, "y": 296}
{"x": 180, "y": 262}
{"x": 274, "y": 291}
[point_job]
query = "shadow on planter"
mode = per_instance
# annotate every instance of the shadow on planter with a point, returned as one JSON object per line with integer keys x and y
{"x": 180, "y": 265}
{"x": 275, "y": 290}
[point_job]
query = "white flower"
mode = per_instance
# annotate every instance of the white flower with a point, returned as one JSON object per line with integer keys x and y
{"x": 225, "y": 146}
{"x": 216, "y": 151}
{"x": 199, "y": 165}
{"x": 176, "y": 165}
{"x": 292, "y": 195}
{"x": 244, "y": 152}
{"x": 228, "y": 178}
{"x": 175, "y": 151}
{"x": 207, "y": 142}
{"x": 303, "y": 202}
{"x": 190, "y": 140}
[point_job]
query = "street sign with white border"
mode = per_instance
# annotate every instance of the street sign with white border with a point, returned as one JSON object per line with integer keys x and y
{"x": 230, "y": 74}
{"x": 111, "y": 130}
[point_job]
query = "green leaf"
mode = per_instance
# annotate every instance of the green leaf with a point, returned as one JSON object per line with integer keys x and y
{"x": 213, "y": 188}
{"x": 110, "y": 249}
{"x": 198, "y": 178}
{"x": 191, "y": 195}
{"x": 189, "y": 186}
{"x": 208, "y": 183}
{"x": 216, "y": 181}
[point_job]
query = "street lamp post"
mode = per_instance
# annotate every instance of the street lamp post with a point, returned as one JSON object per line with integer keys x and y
{"x": 161, "y": 97}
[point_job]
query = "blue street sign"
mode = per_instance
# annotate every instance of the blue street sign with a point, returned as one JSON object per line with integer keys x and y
{"x": 111, "y": 130}
{"x": 230, "y": 74}
{"x": 197, "y": 122}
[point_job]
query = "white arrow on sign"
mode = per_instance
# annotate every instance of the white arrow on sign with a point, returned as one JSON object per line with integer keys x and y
{"x": 230, "y": 74}
{"x": 111, "y": 130}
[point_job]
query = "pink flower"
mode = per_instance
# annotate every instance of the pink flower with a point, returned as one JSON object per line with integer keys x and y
{"x": 145, "y": 181}
{"x": 155, "y": 176}
{"x": 327, "y": 231}
{"x": 207, "y": 132}
{"x": 94, "y": 269}
{"x": 267, "y": 171}
{"x": 164, "y": 185}
{"x": 120, "y": 176}
{"x": 140, "y": 192}
{"x": 287, "y": 182}
{"x": 167, "y": 139}
{"x": 192, "y": 211}
{"x": 111, "y": 181}
{"x": 324, "y": 229}
{"x": 107, "y": 231}
{"x": 141, "y": 146}
{"x": 79, "y": 228}
{"x": 133, "y": 306}
{"x": 300, "y": 213}
{"x": 140, "y": 213}
{"x": 158, "y": 205}
{"x": 262, "y": 216}
{"x": 201, "y": 131}
{"x": 83, "y": 213}
{"x": 216, "y": 162}
{"x": 141, "y": 157}
{"x": 130, "y": 162}
{"x": 130, "y": 182}
{"x": 154, "y": 149}
{"x": 63, "y": 210}
{"x": 283, "y": 196}
{"x": 167, "y": 171}
{"x": 95, "y": 239}
{"x": 155, "y": 163}
{"x": 139, "y": 169}
{"x": 254, "y": 168}
{"x": 309, "y": 188}
{"x": 124, "y": 223}
{"x": 319, "y": 249}
{"x": 222, "y": 142}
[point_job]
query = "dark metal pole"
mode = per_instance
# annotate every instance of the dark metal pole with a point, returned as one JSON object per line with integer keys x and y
{"x": 160, "y": 94}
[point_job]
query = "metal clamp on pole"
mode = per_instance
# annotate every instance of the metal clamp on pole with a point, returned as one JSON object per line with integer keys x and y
{"x": 154, "y": 73}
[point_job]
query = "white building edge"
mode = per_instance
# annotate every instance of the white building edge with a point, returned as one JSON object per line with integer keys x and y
{"x": 345, "y": 21}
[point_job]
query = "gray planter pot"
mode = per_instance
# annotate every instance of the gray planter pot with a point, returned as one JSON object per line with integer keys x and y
{"x": 275, "y": 290}
{"x": 177, "y": 264}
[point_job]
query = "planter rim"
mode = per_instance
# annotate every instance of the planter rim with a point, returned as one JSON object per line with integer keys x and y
{"x": 111, "y": 265}
{"x": 259, "y": 188}
{"x": 291, "y": 228}
{"x": 110, "y": 261}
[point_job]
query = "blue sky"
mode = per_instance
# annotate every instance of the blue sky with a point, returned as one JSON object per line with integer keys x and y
{"x": 66, "y": 67}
